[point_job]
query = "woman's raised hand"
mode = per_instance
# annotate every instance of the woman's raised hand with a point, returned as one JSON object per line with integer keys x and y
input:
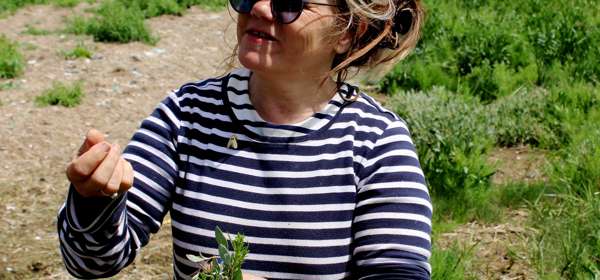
{"x": 99, "y": 169}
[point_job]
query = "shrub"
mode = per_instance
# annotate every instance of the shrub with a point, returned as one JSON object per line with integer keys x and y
{"x": 60, "y": 94}
{"x": 452, "y": 138}
{"x": 77, "y": 25}
{"x": 523, "y": 118}
{"x": 115, "y": 22}
{"x": 11, "y": 61}
{"x": 154, "y": 8}
{"x": 212, "y": 5}
{"x": 66, "y": 3}
{"x": 80, "y": 51}
{"x": 473, "y": 47}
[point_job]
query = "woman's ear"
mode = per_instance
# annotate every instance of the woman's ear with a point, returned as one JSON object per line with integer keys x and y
{"x": 343, "y": 44}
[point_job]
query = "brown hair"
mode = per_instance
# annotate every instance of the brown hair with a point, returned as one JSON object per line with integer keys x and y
{"x": 382, "y": 31}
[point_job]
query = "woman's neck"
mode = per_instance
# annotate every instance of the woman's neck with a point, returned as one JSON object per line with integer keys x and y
{"x": 286, "y": 101}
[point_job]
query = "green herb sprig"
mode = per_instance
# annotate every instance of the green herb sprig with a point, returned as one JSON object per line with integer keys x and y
{"x": 228, "y": 264}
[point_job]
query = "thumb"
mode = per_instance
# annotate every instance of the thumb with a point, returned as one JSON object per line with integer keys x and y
{"x": 92, "y": 138}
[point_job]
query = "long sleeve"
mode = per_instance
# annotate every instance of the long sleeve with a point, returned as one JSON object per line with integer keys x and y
{"x": 99, "y": 237}
{"x": 392, "y": 224}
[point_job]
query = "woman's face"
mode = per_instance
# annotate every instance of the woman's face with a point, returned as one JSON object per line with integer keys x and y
{"x": 306, "y": 45}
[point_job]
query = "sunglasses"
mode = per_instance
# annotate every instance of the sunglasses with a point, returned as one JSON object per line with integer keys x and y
{"x": 284, "y": 11}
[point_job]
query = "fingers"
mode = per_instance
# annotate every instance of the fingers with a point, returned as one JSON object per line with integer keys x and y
{"x": 81, "y": 168}
{"x": 92, "y": 138}
{"x": 99, "y": 169}
{"x": 101, "y": 178}
{"x": 101, "y": 172}
{"x": 114, "y": 182}
{"x": 127, "y": 180}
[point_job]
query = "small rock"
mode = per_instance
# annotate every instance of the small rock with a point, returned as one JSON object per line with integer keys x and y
{"x": 37, "y": 266}
{"x": 119, "y": 69}
{"x": 136, "y": 73}
{"x": 136, "y": 58}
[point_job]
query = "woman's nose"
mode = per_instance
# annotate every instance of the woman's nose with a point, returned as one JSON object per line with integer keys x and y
{"x": 262, "y": 9}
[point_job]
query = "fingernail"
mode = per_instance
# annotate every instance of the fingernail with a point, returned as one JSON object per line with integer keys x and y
{"x": 105, "y": 146}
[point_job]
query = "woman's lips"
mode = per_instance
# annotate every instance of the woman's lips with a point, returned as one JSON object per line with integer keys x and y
{"x": 257, "y": 34}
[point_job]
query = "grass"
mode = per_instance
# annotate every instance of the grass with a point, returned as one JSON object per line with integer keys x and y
{"x": 450, "y": 264}
{"x": 114, "y": 22}
{"x": 80, "y": 51}
{"x": 61, "y": 94}
{"x": 10, "y": 6}
{"x": 8, "y": 85}
{"x": 32, "y": 30}
{"x": 472, "y": 47}
{"x": 11, "y": 60}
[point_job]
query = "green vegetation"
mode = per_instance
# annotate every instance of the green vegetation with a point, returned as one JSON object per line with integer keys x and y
{"x": 490, "y": 49}
{"x": 32, "y": 30}
{"x": 451, "y": 263}
{"x": 119, "y": 21}
{"x": 226, "y": 266}
{"x": 80, "y": 51}
{"x": 11, "y": 60}
{"x": 476, "y": 81}
{"x": 9, "y": 6}
{"x": 123, "y": 20}
{"x": 453, "y": 139}
{"x": 568, "y": 218}
{"x": 61, "y": 94}
{"x": 8, "y": 85}
{"x": 153, "y": 8}
{"x": 114, "y": 22}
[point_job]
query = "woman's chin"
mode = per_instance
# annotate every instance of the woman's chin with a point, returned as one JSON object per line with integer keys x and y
{"x": 255, "y": 62}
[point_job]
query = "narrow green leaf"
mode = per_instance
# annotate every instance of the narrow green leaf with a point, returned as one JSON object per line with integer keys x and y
{"x": 220, "y": 237}
{"x": 195, "y": 258}
{"x": 225, "y": 255}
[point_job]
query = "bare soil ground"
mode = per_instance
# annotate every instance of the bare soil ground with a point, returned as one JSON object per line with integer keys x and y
{"x": 123, "y": 83}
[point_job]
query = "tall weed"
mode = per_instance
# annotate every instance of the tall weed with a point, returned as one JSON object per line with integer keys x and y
{"x": 11, "y": 60}
{"x": 568, "y": 243}
{"x": 450, "y": 264}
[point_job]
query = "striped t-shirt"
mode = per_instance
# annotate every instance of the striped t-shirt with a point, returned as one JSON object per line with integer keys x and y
{"x": 340, "y": 195}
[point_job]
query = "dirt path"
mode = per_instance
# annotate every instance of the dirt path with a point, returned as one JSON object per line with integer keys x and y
{"x": 123, "y": 83}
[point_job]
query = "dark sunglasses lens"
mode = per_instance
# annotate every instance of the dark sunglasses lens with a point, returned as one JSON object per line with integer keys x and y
{"x": 242, "y": 6}
{"x": 286, "y": 11}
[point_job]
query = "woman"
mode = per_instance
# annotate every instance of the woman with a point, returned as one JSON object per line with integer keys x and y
{"x": 323, "y": 181}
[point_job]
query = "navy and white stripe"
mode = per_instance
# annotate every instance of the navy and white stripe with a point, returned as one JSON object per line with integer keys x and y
{"x": 340, "y": 195}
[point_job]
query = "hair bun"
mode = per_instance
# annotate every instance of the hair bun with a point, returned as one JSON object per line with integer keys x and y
{"x": 403, "y": 21}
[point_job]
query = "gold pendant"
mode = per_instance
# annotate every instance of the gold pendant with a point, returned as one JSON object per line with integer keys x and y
{"x": 232, "y": 143}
